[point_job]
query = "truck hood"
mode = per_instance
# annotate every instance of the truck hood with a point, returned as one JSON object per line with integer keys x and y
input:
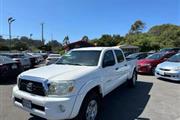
{"x": 57, "y": 72}
{"x": 169, "y": 65}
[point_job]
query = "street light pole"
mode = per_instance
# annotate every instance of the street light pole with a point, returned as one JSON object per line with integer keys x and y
{"x": 42, "y": 32}
{"x": 9, "y": 30}
{"x": 10, "y": 20}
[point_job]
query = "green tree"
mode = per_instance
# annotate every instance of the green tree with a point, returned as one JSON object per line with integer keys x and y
{"x": 21, "y": 46}
{"x": 168, "y": 35}
{"x": 4, "y": 47}
{"x": 137, "y": 27}
{"x": 85, "y": 38}
{"x": 45, "y": 48}
{"x": 55, "y": 45}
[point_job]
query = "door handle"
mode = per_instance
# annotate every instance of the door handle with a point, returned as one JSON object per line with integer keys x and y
{"x": 117, "y": 68}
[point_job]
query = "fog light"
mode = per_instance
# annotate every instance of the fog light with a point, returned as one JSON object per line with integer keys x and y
{"x": 62, "y": 108}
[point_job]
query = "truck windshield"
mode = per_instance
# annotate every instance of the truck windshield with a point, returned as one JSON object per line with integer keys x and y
{"x": 82, "y": 58}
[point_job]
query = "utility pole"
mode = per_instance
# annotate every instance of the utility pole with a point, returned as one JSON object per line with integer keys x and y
{"x": 51, "y": 37}
{"x": 10, "y": 20}
{"x": 42, "y": 32}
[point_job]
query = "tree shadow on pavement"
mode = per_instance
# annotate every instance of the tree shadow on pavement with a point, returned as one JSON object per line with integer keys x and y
{"x": 36, "y": 118}
{"x": 125, "y": 103}
{"x": 146, "y": 74}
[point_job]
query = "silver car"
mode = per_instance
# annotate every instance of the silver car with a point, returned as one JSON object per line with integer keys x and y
{"x": 20, "y": 58}
{"x": 52, "y": 58}
{"x": 169, "y": 69}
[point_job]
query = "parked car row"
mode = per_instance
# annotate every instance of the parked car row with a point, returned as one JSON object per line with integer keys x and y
{"x": 163, "y": 64}
{"x": 9, "y": 67}
{"x": 11, "y": 64}
{"x": 149, "y": 64}
{"x": 20, "y": 58}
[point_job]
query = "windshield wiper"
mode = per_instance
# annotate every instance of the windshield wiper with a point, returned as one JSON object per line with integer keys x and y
{"x": 74, "y": 64}
{"x": 69, "y": 64}
{"x": 62, "y": 63}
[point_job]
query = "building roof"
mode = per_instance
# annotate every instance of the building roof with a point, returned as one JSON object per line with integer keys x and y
{"x": 80, "y": 42}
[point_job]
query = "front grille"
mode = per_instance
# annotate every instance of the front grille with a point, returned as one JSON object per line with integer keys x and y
{"x": 165, "y": 75}
{"x": 32, "y": 87}
{"x": 164, "y": 69}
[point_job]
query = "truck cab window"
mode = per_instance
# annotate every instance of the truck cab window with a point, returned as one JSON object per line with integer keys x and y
{"x": 108, "y": 59}
{"x": 119, "y": 56}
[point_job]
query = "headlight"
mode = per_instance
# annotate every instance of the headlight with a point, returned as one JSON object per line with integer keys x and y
{"x": 177, "y": 69}
{"x": 18, "y": 81}
{"x": 61, "y": 88}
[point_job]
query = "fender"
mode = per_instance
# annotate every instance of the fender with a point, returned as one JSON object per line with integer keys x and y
{"x": 131, "y": 72}
{"x": 82, "y": 94}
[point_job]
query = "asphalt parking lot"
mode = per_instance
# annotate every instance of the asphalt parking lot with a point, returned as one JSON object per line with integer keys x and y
{"x": 152, "y": 99}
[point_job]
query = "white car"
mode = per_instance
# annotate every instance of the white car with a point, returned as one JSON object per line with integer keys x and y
{"x": 52, "y": 58}
{"x": 75, "y": 85}
{"x": 169, "y": 69}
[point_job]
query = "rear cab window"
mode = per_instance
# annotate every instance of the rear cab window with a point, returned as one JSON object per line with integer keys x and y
{"x": 119, "y": 56}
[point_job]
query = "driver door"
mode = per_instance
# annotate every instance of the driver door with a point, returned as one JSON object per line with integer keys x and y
{"x": 108, "y": 71}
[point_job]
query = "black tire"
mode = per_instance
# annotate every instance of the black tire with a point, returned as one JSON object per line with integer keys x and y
{"x": 92, "y": 96}
{"x": 153, "y": 71}
{"x": 132, "y": 81}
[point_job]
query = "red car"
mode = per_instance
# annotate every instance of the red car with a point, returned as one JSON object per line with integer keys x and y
{"x": 149, "y": 64}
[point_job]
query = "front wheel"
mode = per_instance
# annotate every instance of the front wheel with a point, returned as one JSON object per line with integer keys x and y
{"x": 132, "y": 81}
{"x": 153, "y": 71}
{"x": 90, "y": 108}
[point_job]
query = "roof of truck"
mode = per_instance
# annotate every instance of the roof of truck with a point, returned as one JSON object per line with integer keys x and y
{"x": 96, "y": 48}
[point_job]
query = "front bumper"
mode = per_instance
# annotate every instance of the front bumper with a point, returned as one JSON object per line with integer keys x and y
{"x": 45, "y": 107}
{"x": 144, "y": 69}
{"x": 171, "y": 75}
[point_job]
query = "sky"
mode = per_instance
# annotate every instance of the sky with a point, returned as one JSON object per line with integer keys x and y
{"x": 77, "y": 18}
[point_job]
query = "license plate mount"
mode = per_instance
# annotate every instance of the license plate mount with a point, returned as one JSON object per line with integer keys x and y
{"x": 14, "y": 66}
{"x": 161, "y": 72}
{"x": 27, "y": 103}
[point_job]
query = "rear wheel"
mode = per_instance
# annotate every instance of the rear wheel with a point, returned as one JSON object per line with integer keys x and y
{"x": 132, "y": 81}
{"x": 90, "y": 108}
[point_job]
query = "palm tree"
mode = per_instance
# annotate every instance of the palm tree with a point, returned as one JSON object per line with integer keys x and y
{"x": 137, "y": 27}
{"x": 66, "y": 40}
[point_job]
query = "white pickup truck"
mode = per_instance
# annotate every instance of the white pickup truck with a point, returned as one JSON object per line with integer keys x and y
{"x": 74, "y": 86}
